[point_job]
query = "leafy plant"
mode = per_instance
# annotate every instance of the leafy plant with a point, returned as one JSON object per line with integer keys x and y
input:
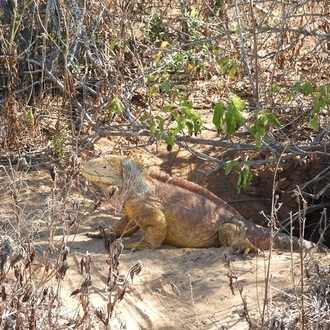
{"x": 191, "y": 59}
{"x": 59, "y": 144}
{"x": 30, "y": 117}
{"x": 244, "y": 176}
{"x": 231, "y": 116}
{"x": 231, "y": 119}
{"x": 228, "y": 66}
{"x": 259, "y": 127}
{"x": 321, "y": 99}
{"x": 304, "y": 87}
{"x": 156, "y": 28}
{"x": 174, "y": 120}
{"x": 115, "y": 106}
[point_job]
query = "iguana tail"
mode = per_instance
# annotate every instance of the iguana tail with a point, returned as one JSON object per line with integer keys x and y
{"x": 261, "y": 238}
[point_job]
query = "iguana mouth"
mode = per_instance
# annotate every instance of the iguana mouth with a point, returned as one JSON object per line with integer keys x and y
{"x": 91, "y": 174}
{"x": 94, "y": 176}
{"x": 99, "y": 178}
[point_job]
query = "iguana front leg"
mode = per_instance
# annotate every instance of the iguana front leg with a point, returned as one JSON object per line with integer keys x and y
{"x": 121, "y": 228}
{"x": 124, "y": 227}
{"x": 151, "y": 220}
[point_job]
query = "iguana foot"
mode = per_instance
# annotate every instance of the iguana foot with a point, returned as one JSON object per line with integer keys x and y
{"x": 137, "y": 246}
{"x": 107, "y": 234}
{"x": 234, "y": 236}
{"x": 103, "y": 231}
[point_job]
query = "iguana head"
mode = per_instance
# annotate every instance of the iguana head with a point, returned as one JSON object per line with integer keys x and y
{"x": 112, "y": 171}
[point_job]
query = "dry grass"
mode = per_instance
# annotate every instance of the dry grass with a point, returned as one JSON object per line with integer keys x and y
{"x": 34, "y": 256}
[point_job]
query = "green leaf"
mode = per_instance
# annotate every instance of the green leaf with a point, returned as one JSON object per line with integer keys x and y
{"x": 151, "y": 77}
{"x": 257, "y": 139}
{"x": 218, "y": 115}
{"x": 190, "y": 127}
{"x": 186, "y": 103}
{"x": 181, "y": 122}
{"x": 297, "y": 87}
{"x": 230, "y": 123}
{"x": 164, "y": 75}
{"x": 174, "y": 114}
{"x": 321, "y": 93}
{"x": 272, "y": 118}
{"x": 197, "y": 123}
{"x": 276, "y": 88}
{"x": 154, "y": 90}
{"x": 224, "y": 68}
{"x": 112, "y": 45}
{"x": 244, "y": 177}
{"x": 261, "y": 122}
{"x": 289, "y": 96}
{"x": 237, "y": 102}
{"x": 234, "y": 117}
{"x": 174, "y": 131}
{"x": 114, "y": 107}
{"x": 145, "y": 117}
{"x": 307, "y": 88}
{"x": 152, "y": 127}
{"x": 159, "y": 118}
{"x": 314, "y": 124}
{"x": 168, "y": 107}
{"x": 253, "y": 130}
{"x": 166, "y": 86}
{"x": 186, "y": 111}
{"x": 30, "y": 117}
{"x": 223, "y": 61}
{"x": 233, "y": 70}
{"x": 230, "y": 165}
{"x": 161, "y": 123}
{"x": 318, "y": 105}
{"x": 193, "y": 12}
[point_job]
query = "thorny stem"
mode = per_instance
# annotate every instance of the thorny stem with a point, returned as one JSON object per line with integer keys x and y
{"x": 272, "y": 227}
{"x": 301, "y": 252}
{"x": 255, "y": 55}
{"x": 245, "y": 57}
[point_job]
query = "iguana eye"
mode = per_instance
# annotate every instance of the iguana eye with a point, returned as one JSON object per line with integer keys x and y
{"x": 104, "y": 167}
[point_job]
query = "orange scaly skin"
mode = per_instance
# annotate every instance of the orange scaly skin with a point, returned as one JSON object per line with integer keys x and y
{"x": 174, "y": 211}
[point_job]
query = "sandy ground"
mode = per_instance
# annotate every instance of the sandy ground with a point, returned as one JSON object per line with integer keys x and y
{"x": 188, "y": 288}
{"x": 176, "y": 288}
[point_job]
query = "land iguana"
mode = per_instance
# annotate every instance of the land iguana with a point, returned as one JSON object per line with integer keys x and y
{"x": 177, "y": 212}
